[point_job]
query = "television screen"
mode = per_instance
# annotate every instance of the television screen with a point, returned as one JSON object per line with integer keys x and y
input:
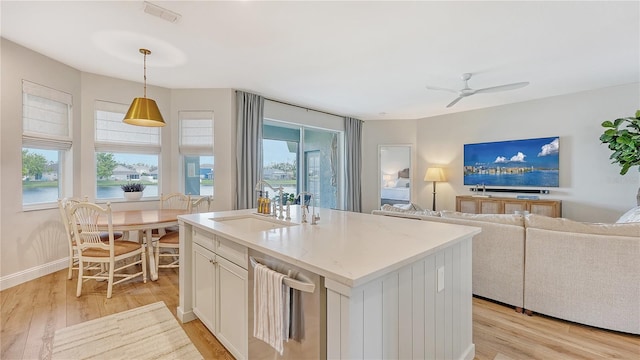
{"x": 530, "y": 162}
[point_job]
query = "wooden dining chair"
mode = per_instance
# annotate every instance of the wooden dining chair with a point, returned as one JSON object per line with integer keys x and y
{"x": 64, "y": 205}
{"x": 202, "y": 204}
{"x": 176, "y": 201}
{"x": 91, "y": 249}
{"x": 171, "y": 239}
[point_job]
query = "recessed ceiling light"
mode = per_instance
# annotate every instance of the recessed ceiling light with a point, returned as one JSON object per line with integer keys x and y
{"x": 161, "y": 12}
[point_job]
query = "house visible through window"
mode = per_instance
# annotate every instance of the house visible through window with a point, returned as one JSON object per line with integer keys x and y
{"x": 124, "y": 153}
{"x": 46, "y": 143}
{"x": 196, "y": 149}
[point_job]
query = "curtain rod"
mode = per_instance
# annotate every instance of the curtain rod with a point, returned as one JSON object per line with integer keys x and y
{"x": 301, "y": 107}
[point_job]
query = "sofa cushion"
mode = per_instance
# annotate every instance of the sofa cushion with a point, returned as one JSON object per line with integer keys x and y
{"x": 566, "y": 225}
{"x": 409, "y": 206}
{"x": 412, "y": 210}
{"x": 632, "y": 215}
{"x": 507, "y": 219}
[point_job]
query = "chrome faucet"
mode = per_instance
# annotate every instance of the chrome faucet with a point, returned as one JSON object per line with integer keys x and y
{"x": 303, "y": 205}
{"x": 305, "y": 208}
{"x": 280, "y": 191}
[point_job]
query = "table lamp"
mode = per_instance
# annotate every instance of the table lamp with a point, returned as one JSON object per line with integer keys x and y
{"x": 434, "y": 174}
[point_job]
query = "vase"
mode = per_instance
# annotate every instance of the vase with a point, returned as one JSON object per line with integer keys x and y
{"x": 133, "y": 195}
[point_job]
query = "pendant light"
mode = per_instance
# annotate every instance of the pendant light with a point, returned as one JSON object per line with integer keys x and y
{"x": 144, "y": 111}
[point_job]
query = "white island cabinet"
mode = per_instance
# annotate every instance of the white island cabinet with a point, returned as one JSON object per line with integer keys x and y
{"x": 395, "y": 288}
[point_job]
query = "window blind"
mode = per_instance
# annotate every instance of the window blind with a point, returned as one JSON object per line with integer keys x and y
{"x": 196, "y": 132}
{"x": 45, "y": 117}
{"x": 114, "y": 135}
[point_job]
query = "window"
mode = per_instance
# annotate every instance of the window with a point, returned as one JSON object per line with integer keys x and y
{"x": 124, "y": 153}
{"x": 196, "y": 149}
{"x": 292, "y": 152}
{"x": 46, "y": 142}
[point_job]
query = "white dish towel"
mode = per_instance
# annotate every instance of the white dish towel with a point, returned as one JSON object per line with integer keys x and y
{"x": 269, "y": 307}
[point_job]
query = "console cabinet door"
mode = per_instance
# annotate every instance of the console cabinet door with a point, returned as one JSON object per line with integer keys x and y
{"x": 232, "y": 308}
{"x": 467, "y": 205}
{"x": 546, "y": 208}
{"x": 204, "y": 286}
{"x": 511, "y": 206}
{"x": 490, "y": 206}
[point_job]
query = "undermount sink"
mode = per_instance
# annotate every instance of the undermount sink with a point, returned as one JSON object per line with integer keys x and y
{"x": 254, "y": 222}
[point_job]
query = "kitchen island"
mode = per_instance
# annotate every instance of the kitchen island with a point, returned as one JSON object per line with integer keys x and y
{"x": 395, "y": 288}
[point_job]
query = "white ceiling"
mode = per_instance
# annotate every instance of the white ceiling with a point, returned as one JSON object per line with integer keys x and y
{"x": 365, "y": 59}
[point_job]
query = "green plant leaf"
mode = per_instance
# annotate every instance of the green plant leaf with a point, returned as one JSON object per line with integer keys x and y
{"x": 607, "y": 124}
{"x": 638, "y": 114}
{"x": 617, "y": 122}
{"x": 625, "y": 168}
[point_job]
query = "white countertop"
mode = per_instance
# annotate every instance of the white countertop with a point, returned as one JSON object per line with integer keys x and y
{"x": 347, "y": 247}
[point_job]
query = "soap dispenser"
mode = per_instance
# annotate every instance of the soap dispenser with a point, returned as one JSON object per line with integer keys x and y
{"x": 260, "y": 202}
{"x": 267, "y": 204}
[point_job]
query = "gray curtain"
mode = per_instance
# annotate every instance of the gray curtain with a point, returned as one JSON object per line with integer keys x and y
{"x": 250, "y": 110}
{"x": 353, "y": 152}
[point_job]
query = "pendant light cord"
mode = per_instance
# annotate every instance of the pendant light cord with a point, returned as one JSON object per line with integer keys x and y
{"x": 145, "y": 52}
{"x": 145, "y": 73}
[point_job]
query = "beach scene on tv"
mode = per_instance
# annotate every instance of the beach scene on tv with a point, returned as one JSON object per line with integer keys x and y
{"x": 529, "y": 162}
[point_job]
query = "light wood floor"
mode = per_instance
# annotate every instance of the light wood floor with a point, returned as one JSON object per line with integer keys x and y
{"x": 31, "y": 313}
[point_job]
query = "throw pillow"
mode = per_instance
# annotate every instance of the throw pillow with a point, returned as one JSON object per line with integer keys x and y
{"x": 401, "y": 183}
{"x": 632, "y": 215}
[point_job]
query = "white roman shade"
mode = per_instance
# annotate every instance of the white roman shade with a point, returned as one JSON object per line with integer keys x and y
{"x": 46, "y": 117}
{"x": 114, "y": 135}
{"x": 196, "y": 132}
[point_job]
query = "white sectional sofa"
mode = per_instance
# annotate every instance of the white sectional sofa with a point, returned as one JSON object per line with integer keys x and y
{"x": 587, "y": 273}
{"x": 497, "y": 275}
{"x": 581, "y": 272}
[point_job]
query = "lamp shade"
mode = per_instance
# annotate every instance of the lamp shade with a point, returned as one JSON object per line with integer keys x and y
{"x": 434, "y": 174}
{"x": 144, "y": 112}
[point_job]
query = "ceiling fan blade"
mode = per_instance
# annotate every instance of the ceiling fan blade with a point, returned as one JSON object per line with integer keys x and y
{"x": 502, "y": 87}
{"x": 455, "y": 101}
{"x": 441, "y": 89}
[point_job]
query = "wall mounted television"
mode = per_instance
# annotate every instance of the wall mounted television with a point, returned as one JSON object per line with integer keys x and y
{"x": 529, "y": 162}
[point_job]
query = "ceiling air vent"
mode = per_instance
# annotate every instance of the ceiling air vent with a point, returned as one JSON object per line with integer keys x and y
{"x": 161, "y": 12}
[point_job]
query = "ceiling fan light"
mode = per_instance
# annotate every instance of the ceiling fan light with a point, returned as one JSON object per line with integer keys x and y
{"x": 144, "y": 112}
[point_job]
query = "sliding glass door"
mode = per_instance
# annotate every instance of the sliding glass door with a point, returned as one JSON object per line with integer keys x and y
{"x": 303, "y": 159}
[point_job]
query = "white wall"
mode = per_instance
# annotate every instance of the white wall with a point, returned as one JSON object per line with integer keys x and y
{"x": 591, "y": 188}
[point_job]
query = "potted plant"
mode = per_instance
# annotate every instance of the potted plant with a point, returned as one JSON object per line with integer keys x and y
{"x": 132, "y": 190}
{"x": 622, "y": 136}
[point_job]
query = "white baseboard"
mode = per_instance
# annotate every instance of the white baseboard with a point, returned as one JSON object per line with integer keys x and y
{"x": 470, "y": 354}
{"x": 33, "y": 273}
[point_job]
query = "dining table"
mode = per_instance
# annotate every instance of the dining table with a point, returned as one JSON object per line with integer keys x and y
{"x": 143, "y": 221}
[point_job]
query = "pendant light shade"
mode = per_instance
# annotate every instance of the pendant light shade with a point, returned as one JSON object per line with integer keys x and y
{"x": 144, "y": 111}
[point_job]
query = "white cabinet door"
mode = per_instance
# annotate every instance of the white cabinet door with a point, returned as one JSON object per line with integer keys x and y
{"x": 204, "y": 286}
{"x": 232, "y": 308}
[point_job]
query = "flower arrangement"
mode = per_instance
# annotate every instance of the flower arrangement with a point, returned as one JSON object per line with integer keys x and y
{"x": 132, "y": 187}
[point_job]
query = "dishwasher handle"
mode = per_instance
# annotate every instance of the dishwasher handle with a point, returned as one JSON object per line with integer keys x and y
{"x": 304, "y": 284}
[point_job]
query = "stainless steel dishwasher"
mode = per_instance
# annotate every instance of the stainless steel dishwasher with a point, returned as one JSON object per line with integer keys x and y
{"x": 313, "y": 309}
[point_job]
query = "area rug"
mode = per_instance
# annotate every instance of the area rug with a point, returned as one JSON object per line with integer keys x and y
{"x": 147, "y": 332}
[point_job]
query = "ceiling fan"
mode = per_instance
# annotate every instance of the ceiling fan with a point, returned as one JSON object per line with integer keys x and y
{"x": 467, "y": 91}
